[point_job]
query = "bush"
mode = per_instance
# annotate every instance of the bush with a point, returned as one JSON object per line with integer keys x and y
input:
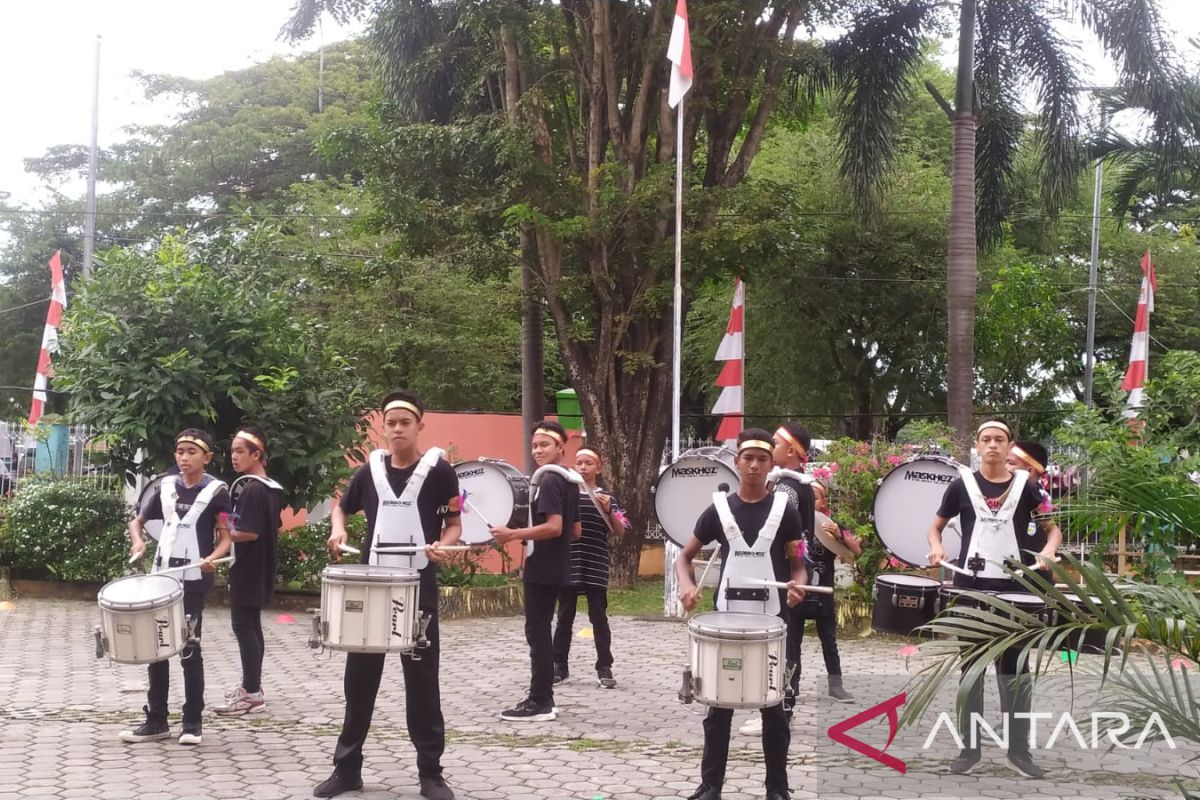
{"x": 69, "y": 530}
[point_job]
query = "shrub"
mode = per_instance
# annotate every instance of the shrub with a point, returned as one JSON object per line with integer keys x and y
{"x": 69, "y": 530}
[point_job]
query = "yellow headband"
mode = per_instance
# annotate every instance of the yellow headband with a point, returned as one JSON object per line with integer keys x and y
{"x": 250, "y": 437}
{"x": 785, "y": 434}
{"x": 993, "y": 423}
{"x": 1028, "y": 459}
{"x": 196, "y": 440}
{"x": 588, "y": 451}
{"x": 547, "y": 432}
{"x": 759, "y": 443}
{"x": 404, "y": 404}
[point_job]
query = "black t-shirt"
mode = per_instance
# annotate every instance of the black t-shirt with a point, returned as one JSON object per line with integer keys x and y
{"x": 750, "y": 518}
{"x": 205, "y": 526}
{"x": 550, "y": 562}
{"x": 436, "y": 502}
{"x": 956, "y": 502}
{"x": 252, "y": 576}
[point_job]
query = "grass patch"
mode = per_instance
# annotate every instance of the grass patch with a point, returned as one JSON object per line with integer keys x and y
{"x": 642, "y": 600}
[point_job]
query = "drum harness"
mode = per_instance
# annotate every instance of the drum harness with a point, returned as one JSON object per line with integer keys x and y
{"x": 994, "y": 539}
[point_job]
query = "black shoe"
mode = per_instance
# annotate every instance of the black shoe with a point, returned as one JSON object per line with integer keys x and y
{"x": 436, "y": 789}
{"x": 561, "y": 673}
{"x": 605, "y": 679}
{"x": 965, "y": 762}
{"x": 1023, "y": 764}
{"x": 838, "y": 693}
{"x": 779, "y": 794}
{"x": 527, "y": 711}
{"x": 147, "y": 732}
{"x": 337, "y": 783}
{"x": 192, "y": 733}
{"x": 705, "y": 792}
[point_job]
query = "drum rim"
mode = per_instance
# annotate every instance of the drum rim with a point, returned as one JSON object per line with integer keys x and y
{"x": 948, "y": 460}
{"x": 773, "y": 625}
{"x": 933, "y": 582}
{"x": 160, "y": 601}
{"x": 358, "y": 573}
{"x": 658, "y": 482}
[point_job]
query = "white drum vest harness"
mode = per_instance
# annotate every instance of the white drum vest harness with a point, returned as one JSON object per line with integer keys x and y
{"x": 397, "y": 519}
{"x": 178, "y": 538}
{"x": 749, "y": 562}
{"x": 994, "y": 537}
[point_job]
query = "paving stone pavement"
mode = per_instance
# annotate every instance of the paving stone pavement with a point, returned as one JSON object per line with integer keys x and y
{"x": 63, "y": 708}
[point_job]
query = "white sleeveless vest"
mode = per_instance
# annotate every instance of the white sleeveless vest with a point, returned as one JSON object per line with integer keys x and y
{"x": 745, "y": 562}
{"x": 397, "y": 519}
{"x": 178, "y": 538}
{"x": 995, "y": 536}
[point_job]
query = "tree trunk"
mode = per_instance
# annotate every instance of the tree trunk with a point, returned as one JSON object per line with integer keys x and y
{"x": 961, "y": 268}
{"x": 533, "y": 387}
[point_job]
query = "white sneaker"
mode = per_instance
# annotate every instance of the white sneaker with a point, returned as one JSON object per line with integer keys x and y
{"x": 242, "y": 702}
{"x": 752, "y": 726}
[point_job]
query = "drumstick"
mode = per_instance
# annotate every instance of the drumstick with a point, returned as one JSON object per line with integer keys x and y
{"x": 345, "y": 548}
{"x": 193, "y": 565}
{"x": 416, "y": 548}
{"x": 953, "y": 568}
{"x": 475, "y": 510}
{"x": 782, "y": 585}
{"x": 704, "y": 573}
{"x": 134, "y": 558}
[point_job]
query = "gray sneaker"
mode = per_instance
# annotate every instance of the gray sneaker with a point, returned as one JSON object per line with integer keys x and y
{"x": 605, "y": 679}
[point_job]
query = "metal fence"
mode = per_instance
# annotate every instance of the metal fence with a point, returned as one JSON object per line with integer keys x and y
{"x": 73, "y": 451}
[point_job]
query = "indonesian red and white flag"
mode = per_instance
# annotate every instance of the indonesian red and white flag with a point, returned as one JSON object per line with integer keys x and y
{"x": 58, "y": 301}
{"x": 679, "y": 53}
{"x": 1139, "y": 352}
{"x": 732, "y": 350}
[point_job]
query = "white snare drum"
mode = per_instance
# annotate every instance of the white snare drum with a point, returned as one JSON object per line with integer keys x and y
{"x": 737, "y": 659}
{"x": 685, "y": 489}
{"x": 497, "y": 492}
{"x": 906, "y": 500}
{"x": 369, "y": 609}
{"x": 141, "y": 619}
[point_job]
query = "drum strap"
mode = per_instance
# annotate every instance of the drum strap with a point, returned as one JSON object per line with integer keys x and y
{"x": 779, "y": 472}
{"x": 748, "y": 561}
{"x": 397, "y": 519}
{"x": 994, "y": 537}
{"x": 170, "y": 542}
{"x": 536, "y": 478}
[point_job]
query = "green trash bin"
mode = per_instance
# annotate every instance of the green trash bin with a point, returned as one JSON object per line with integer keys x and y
{"x": 569, "y": 415}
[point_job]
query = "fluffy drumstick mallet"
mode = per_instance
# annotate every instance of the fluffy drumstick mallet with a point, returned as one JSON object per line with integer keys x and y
{"x": 797, "y": 550}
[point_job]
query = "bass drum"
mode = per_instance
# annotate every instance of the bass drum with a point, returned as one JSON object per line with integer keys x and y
{"x": 498, "y": 494}
{"x": 906, "y": 501}
{"x": 152, "y": 527}
{"x": 685, "y": 489}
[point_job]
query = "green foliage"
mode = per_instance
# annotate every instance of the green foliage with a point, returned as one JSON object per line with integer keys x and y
{"x": 190, "y": 334}
{"x": 303, "y": 554}
{"x": 67, "y": 530}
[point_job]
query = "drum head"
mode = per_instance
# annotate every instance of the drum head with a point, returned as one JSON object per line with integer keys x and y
{"x": 722, "y": 454}
{"x": 910, "y": 581}
{"x": 153, "y": 527}
{"x": 737, "y": 625}
{"x": 905, "y": 504}
{"x": 685, "y": 489}
{"x": 140, "y": 590}
{"x": 1021, "y": 599}
{"x": 495, "y": 491}
{"x": 370, "y": 573}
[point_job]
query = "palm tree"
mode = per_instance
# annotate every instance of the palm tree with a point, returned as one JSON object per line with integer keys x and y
{"x": 1005, "y": 48}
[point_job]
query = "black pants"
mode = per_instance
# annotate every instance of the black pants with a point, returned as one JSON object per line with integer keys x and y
{"x": 247, "y": 629}
{"x": 1016, "y": 696}
{"x": 597, "y": 600}
{"x": 539, "y": 613}
{"x": 193, "y": 671}
{"x": 422, "y": 706}
{"x": 826, "y": 632}
{"x": 776, "y": 737}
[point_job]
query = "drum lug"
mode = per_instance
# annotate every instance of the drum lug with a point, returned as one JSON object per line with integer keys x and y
{"x": 314, "y": 636}
{"x": 687, "y": 690}
{"x": 101, "y": 645}
{"x": 423, "y": 621}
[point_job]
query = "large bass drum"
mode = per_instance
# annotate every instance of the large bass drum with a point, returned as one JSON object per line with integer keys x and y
{"x": 685, "y": 489}
{"x": 497, "y": 493}
{"x": 722, "y": 454}
{"x": 906, "y": 501}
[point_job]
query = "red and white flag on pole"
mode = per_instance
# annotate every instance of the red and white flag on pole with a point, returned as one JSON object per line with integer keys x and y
{"x": 679, "y": 53}
{"x": 1139, "y": 353}
{"x": 58, "y": 301}
{"x": 731, "y": 402}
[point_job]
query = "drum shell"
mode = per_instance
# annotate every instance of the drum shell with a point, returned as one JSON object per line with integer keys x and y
{"x": 1028, "y": 603}
{"x": 903, "y": 603}
{"x": 738, "y": 659}
{"x": 369, "y": 609}
{"x": 1091, "y": 641}
{"x": 147, "y": 630}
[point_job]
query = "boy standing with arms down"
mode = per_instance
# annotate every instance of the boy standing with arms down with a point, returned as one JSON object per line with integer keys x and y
{"x": 194, "y": 508}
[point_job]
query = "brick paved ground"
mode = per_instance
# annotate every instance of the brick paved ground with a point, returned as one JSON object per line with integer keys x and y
{"x": 62, "y": 711}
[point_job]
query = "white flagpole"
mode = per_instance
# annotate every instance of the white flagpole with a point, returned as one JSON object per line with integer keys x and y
{"x": 670, "y": 550}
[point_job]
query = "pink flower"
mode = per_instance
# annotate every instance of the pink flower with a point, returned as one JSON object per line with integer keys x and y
{"x": 908, "y": 650}
{"x": 894, "y": 563}
{"x": 620, "y": 517}
{"x": 834, "y": 467}
{"x": 862, "y": 448}
{"x": 894, "y": 460}
{"x": 857, "y": 468}
{"x": 874, "y": 462}
{"x": 822, "y": 473}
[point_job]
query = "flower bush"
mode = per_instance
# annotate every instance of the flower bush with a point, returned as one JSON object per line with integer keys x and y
{"x": 68, "y": 530}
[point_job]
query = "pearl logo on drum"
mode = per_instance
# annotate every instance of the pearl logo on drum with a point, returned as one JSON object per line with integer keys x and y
{"x": 161, "y": 626}
{"x": 398, "y": 617}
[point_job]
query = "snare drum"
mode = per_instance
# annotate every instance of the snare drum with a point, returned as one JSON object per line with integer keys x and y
{"x": 737, "y": 659}
{"x": 903, "y": 603}
{"x": 1023, "y": 601}
{"x": 1091, "y": 640}
{"x": 497, "y": 491}
{"x": 141, "y": 619}
{"x": 685, "y": 489}
{"x": 369, "y": 609}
